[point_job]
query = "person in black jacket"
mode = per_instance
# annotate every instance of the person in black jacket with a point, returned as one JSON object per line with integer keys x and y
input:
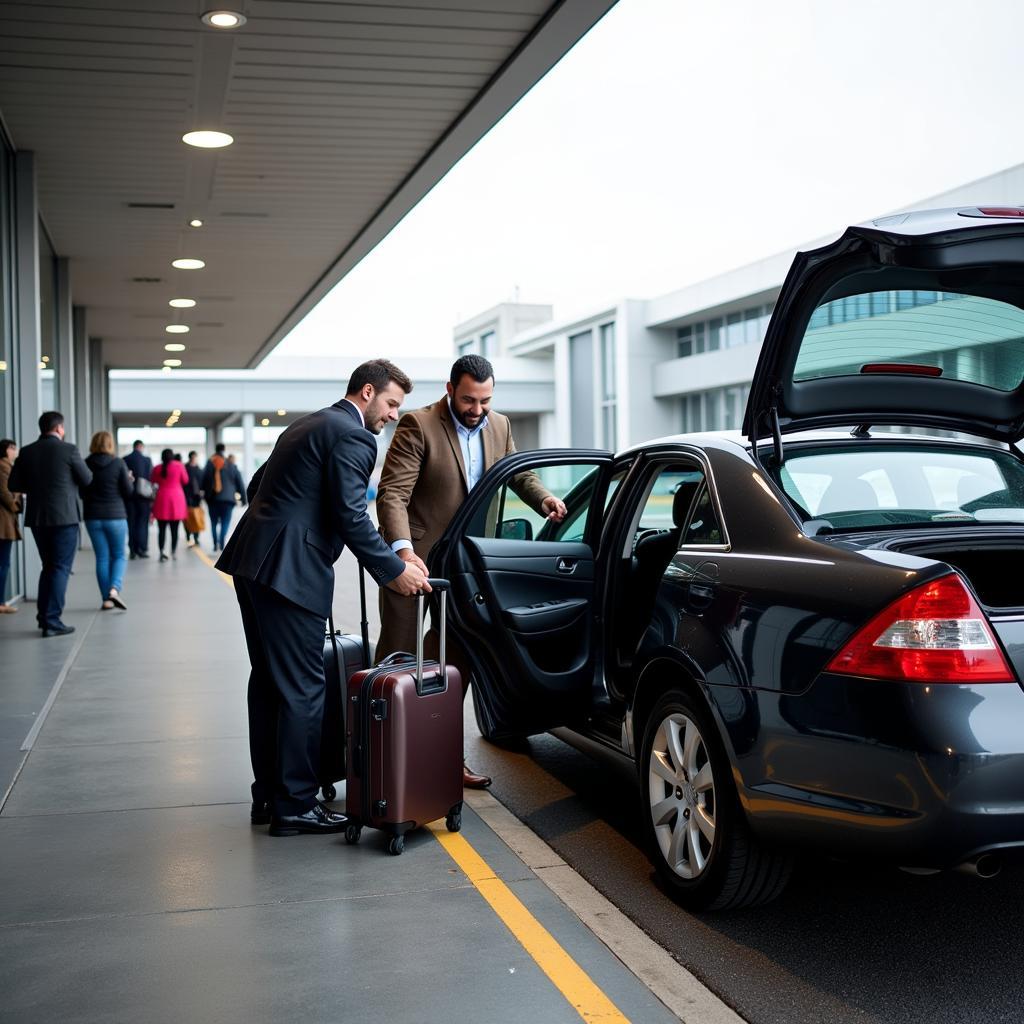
{"x": 193, "y": 496}
{"x": 139, "y": 505}
{"x": 307, "y": 502}
{"x": 222, "y": 480}
{"x": 106, "y": 516}
{"x": 50, "y": 471}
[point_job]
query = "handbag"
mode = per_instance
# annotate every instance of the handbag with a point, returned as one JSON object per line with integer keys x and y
{"x": 195, "y": 520}
{"x": 144, "y": 488}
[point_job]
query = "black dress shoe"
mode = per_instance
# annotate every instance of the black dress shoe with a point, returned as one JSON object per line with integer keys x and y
{"x": 318, "y": 820}
{"x": 58, "y": 630}
{"x": 260, "y": 814}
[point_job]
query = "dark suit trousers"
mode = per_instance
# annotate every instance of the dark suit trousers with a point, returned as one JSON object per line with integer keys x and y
{"x": 138, "y": 524}
{"x": 286, "y": 696}
{"x": 57, "y": 545}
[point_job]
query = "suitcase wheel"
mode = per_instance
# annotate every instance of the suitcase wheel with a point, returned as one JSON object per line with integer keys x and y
{"x": 352, "y": 834}
{"x": 396, "y": 844}
{"x": 453, "y": 822}
{"x": 329, "y": 792}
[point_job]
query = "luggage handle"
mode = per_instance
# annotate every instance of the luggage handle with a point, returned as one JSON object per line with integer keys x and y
{"x": 441, "y": 586}
{"x": 364, "y": 628}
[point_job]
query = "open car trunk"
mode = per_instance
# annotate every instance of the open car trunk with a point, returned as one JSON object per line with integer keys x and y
{"x": 993, "y": 565}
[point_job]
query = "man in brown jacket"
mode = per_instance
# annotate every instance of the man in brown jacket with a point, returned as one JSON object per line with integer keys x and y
{"x": 436, "y": 457}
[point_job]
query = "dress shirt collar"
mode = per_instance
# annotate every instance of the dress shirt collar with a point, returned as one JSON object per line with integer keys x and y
{"x": 359, "y": 412}
{"x": 461, "y": 427}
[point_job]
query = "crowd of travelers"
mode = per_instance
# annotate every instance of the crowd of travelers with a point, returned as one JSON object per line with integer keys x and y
{"x": 120, "y": 498}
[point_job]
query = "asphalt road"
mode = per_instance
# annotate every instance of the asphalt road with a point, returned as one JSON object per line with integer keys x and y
{"x": 844, "y": 942}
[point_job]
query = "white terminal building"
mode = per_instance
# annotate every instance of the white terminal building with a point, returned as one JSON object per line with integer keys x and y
{"x": 628, "y": 371}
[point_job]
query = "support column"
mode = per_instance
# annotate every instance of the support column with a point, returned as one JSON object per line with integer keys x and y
{"x": 27, "y": 352}
{"x": 248, "y": 444}
{"x": 65, "y": 355}
{"x": 96, "y": 384}
{"x": 80, "y": 385}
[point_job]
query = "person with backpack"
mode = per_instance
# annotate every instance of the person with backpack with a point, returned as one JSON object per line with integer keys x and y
{"x": 221, "y": 482}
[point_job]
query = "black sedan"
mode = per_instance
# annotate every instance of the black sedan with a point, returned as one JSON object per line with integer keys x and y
{"x": 810, "y": 635}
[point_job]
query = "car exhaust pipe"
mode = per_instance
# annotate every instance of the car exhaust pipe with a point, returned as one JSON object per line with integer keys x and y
{"x": 987, "y": 865}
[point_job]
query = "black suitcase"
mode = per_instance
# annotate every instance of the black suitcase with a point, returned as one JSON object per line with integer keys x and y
{"x": 344, "y": 655}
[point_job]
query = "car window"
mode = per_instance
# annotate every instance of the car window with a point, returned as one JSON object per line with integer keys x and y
{"x": 514, "y": 513}
{"x": 657, "y": 510}
{"x": 703, "y": 526}
{"x": 574, "y": 526}
{"x": 956, "y": 336}
{"x": 887, "y": 484}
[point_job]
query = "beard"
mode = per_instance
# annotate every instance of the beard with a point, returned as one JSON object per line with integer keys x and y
{"x": 464, "y": 418}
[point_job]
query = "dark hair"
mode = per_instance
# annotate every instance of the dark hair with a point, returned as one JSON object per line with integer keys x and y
{"x": 177, "y": 456}
{"x": 219, "y": 449}
{"x": 378, "y": 373}
{"x": 190, "y": 454}
{"x": 166, "y": 456}
{"x": 5, "y": 446}
{"x": 50, "y": 421}
{"x": 477, "y": 367}
{"x": 138, "y": 444}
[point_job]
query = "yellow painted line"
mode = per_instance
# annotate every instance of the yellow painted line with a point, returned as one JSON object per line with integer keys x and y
{"x": 204, "y": 557}
{"x": 568, "y": 977}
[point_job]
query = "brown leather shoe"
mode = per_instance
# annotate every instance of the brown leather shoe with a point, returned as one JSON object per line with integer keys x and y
{"x": 470, "y": 780}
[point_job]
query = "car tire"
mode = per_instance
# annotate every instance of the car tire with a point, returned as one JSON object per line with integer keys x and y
{"x": 700, "y": 841}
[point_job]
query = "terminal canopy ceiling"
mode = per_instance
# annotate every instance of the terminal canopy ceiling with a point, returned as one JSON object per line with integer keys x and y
{"x": 343, "y": 116}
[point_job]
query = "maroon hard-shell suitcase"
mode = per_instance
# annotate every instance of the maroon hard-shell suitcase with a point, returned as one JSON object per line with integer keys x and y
{"x": 405, "y": 742}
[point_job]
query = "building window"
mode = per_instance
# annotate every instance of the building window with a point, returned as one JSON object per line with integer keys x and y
{"x": 609, "y": 391}
{"x": 488, "y": 344}
{"x": 716, "y": 409}
{"x": 466, "y": 347}
{"x": 746, "y": 327}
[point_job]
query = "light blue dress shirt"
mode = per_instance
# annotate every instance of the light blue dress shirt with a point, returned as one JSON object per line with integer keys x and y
{"x": 472, "y": 444}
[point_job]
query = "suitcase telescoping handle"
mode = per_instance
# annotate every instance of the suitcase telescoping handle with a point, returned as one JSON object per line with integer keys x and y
{"x": 441, "y": 586}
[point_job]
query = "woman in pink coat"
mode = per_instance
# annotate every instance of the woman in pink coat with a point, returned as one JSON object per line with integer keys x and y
{"x": 169, "y": 506}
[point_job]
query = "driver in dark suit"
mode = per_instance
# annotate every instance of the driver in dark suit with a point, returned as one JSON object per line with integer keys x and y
{"x": 307, "y": 502}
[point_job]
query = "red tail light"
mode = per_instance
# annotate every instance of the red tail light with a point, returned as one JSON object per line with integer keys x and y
{"x": 935, "y": 634}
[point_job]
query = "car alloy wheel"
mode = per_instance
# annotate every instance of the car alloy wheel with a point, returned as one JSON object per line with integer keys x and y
{"x": 704, "y": 851}
{"x": 681, "y": 784}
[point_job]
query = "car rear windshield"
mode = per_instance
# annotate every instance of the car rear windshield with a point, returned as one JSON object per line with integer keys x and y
{"x": 882, "y": 484}
{"x": 963, "y": 337}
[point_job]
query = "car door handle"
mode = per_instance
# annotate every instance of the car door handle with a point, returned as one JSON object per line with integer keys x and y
{"x": 566, "y": 566}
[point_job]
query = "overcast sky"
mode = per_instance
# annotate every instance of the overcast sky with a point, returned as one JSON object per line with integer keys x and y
{"x": 680, "y": 139}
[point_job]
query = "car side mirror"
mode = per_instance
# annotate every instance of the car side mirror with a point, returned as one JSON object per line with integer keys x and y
{"x": 516, "y": 529}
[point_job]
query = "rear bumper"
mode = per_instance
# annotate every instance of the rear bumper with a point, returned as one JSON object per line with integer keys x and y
{"x": 919, "y": 776}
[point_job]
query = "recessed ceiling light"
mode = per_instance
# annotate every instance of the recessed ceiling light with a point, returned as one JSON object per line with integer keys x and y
{"x": 174, "y": 346}
{"x": 175, "y": 412}
{"x": 195, "y": 222}
{"x": 46, "y": 359}
{"x": 182, "y": 303}
{"x": 166, "y": 369}
{"x": 207, "y": 140}
{"x": 280, "y": 412}
{"x": 188, "y": 264}
{"x": 177, "y": 328}
{"x": 3, "y": 365}
{"x": 264, "y": 422}
{"x": 42, "y": 366}
{"x": 172, "y": 362}
{"x": 223, "y": 19}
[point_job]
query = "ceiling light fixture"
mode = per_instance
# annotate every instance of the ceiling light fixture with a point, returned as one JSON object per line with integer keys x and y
{"x": 195, "y": 222}
{"x": 203, "y": 139}
{"x": 42, "y": 366}
{"x": 46, "y": 359}
{"x": 280, "y": 412}
{"x": 175, "y": 413}
{"x": 182, "y": 303}
{"x": 174, "y": 346}
{"x": 166, "y": 369}
{"x": 264, "y": 422}
{"x": 223, "y": 19}
{"x": 177, "y": 328}
{"x": 172, "y": 362}
{"x": 187, "y": 264}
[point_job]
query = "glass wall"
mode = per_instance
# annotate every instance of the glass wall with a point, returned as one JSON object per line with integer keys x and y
{"x": 48, "y": 327}
{"x": 8, "y": 412}
{"x": 608, "y": 387}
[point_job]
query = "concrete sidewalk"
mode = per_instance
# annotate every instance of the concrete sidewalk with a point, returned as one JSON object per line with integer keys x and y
{"x": 134, "y": 887}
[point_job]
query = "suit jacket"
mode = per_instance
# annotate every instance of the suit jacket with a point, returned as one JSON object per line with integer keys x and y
{"x": 49, "y": 472}
{"x": 308, "y": 501}
{"x": 424, "y": 478}
{"x": 141, "y": 467}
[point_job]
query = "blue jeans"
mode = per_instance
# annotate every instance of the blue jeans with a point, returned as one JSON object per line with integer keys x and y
{"x": 57, "y": 546}
{"x": 5, "y": 566}
{"x": 220, "y": 520}
{"x": 108, "y": 538}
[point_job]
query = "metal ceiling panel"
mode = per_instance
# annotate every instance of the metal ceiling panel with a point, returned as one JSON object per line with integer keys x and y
{"x": 344, "y": 116}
